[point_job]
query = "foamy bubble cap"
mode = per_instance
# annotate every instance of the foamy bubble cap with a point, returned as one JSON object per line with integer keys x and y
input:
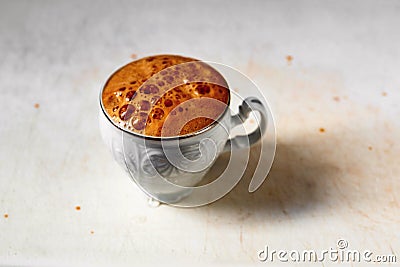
{"x": 141, "y": 95}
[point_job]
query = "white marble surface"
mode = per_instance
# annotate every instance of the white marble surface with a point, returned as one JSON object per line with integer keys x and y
{"x": 343, "y": 183}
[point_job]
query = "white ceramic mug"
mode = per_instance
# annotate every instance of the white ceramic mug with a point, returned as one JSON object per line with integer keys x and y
{"x": 165, "y": 168}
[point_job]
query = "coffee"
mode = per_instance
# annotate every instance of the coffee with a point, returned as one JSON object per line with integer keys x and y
{"x": 141, "y": 95}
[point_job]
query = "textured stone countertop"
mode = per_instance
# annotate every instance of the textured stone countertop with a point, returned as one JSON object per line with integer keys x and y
{"x": 329, "y": 70}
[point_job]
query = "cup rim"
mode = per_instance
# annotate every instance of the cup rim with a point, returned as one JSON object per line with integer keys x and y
{"x": 159, "y": 138}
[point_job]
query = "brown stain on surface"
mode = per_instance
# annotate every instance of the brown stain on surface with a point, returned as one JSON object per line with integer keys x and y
{"x": 6, "y": 215}
{"x": 78, "y": 207}
{"x": 91, "y": 232}
{"x": 384, "y": 94}
{"x": 133, "y": 56}
{"x": 336, "y": 98}
{"x": 321, "y": 130}
{"x": 370, "y": 148}
{"x": 36, "y": 105}
{"x": 289, "y": 59}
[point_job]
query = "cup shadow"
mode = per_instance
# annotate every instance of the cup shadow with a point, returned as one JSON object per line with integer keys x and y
{"x": 299, "y": 180}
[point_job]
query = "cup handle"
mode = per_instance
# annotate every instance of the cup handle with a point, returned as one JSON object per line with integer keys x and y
{"x": 242, "y": 141}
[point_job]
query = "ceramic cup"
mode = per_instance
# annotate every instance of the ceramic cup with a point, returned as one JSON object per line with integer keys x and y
{"x": 167, "y": 168}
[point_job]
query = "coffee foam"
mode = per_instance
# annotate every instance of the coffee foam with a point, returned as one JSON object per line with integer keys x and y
{"x": 142, "y": 94}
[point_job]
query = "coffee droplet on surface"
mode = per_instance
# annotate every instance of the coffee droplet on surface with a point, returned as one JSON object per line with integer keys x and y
{"x": 78, "y": 207}
{"x": 36, "y": 105}
{"x": 141, "y": 95}
{"x": 5, "y": 215}
{"x": 289, "y": 59}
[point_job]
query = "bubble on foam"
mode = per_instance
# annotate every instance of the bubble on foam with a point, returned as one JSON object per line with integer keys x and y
{"x": 158, "y": 114}
{"x": 145, "y": 105}
{"x": 130, "y": 95}
{"x": 168, "y": 102}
